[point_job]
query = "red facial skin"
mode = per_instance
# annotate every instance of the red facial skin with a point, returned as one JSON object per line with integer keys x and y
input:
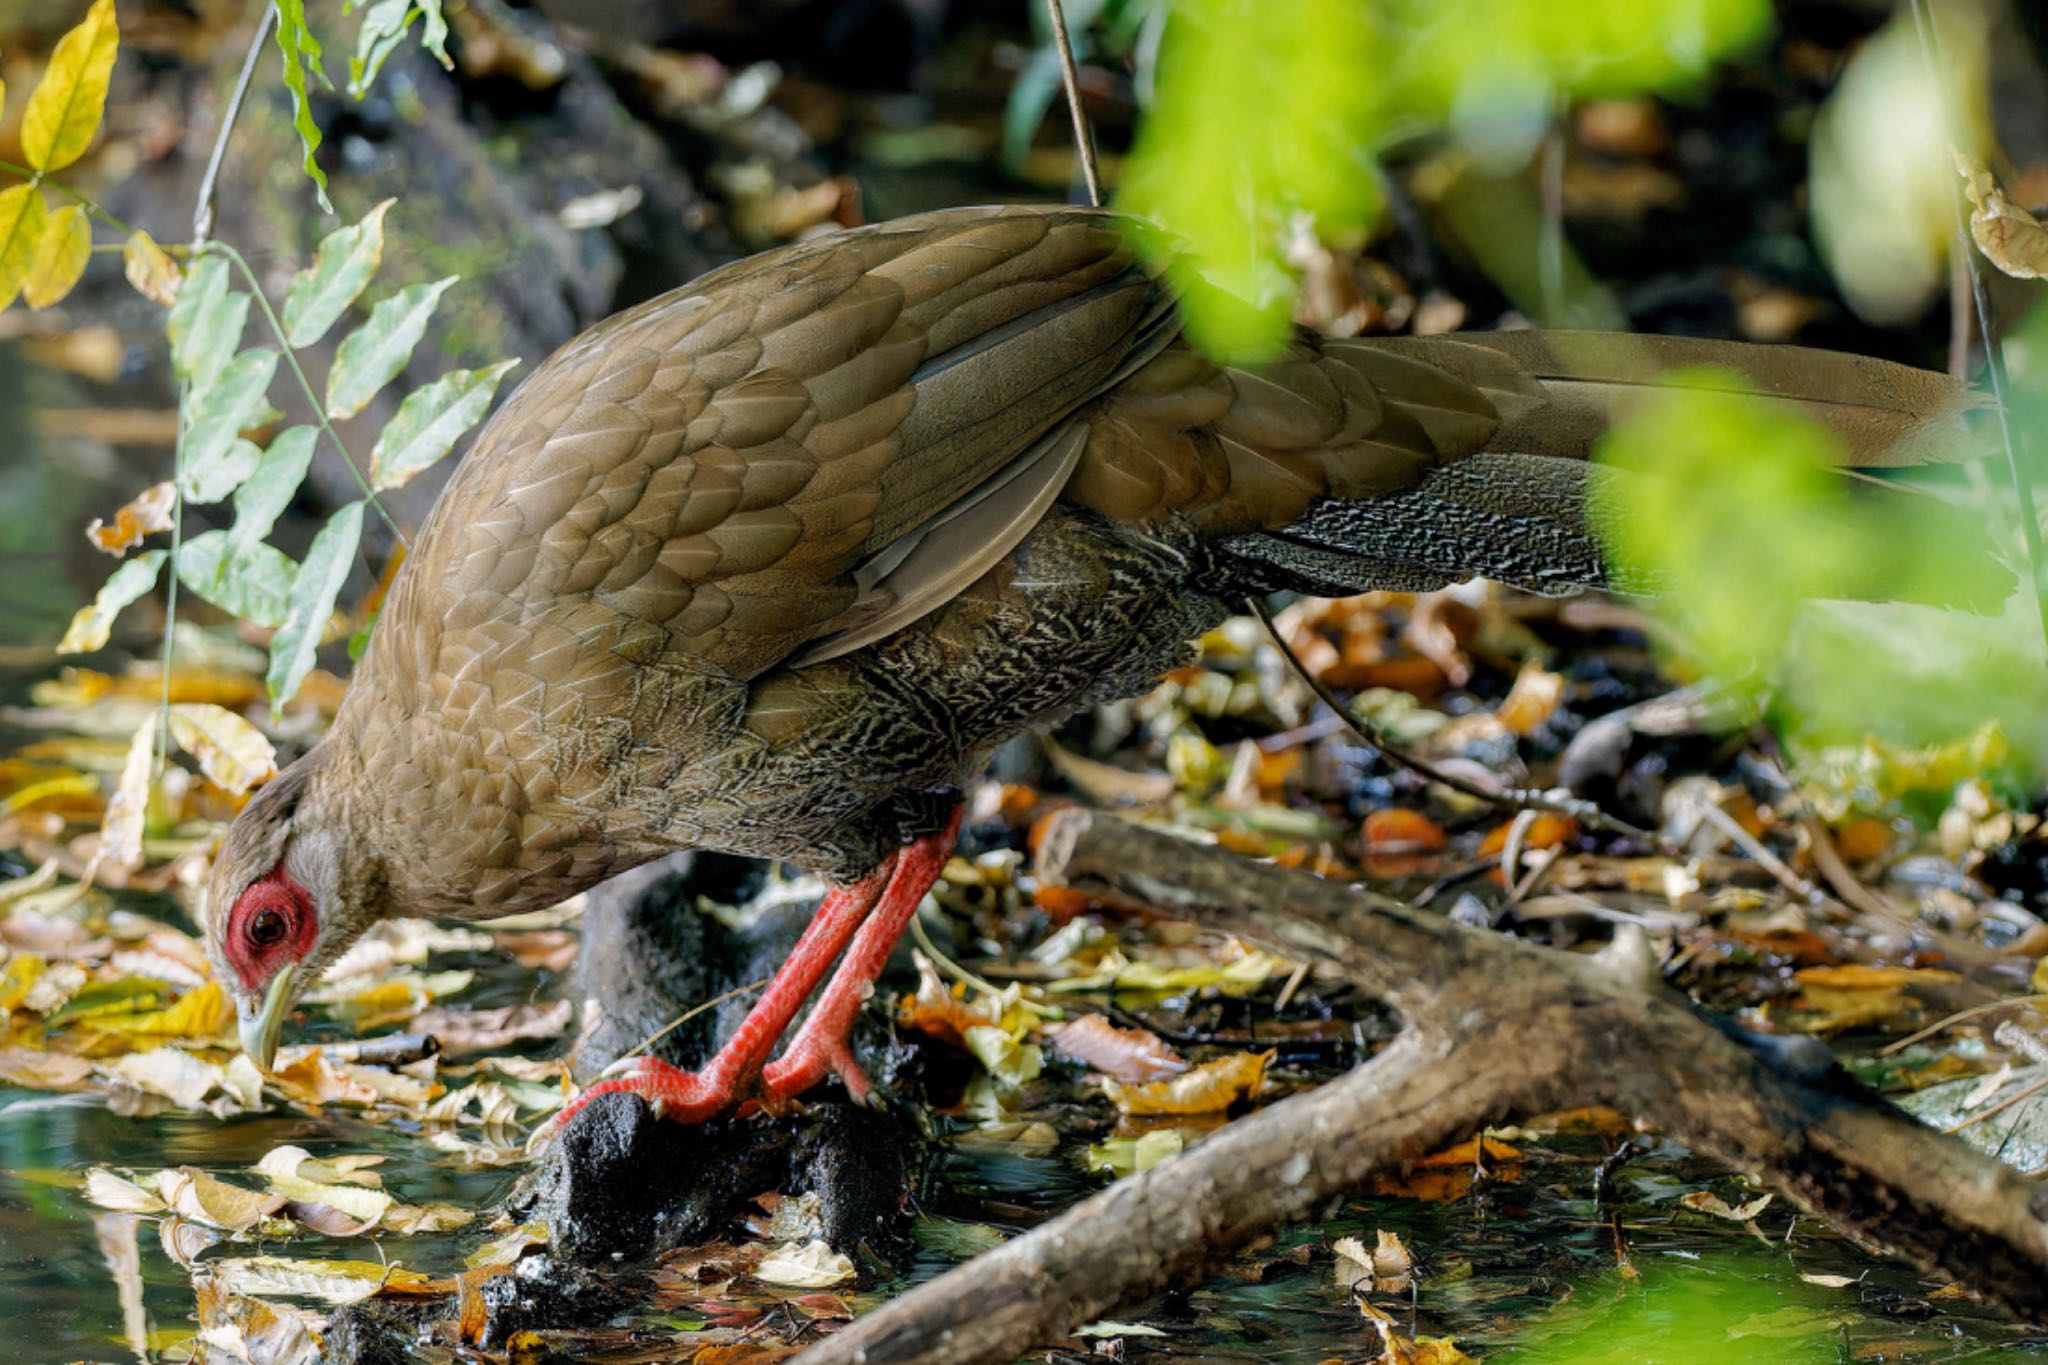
{"x": 273, "y": 923}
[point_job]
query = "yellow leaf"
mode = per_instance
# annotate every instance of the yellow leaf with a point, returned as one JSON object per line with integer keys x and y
{"x": 143, "y": 515}
{"x": 121, "y": 831}
{"x": 1130, "y": 1156}
{"x": 153, "y": 273}
{"x": 201, "y": 1013}
{"x": 64, "y": 112}
{"x": 232, "y": 753}
{"x": 22, "y": 217}
{"x": 60, "y": 257}
{"x": 1210, "y": 1087}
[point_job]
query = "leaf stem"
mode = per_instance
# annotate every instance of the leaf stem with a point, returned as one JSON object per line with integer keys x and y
{"x": 202, "y": 208}
{"x": 35, "y": 177}
{"x": 291, "y": 361}
{"x": 1994, "y": 352}
{"x": 163, "y": 711}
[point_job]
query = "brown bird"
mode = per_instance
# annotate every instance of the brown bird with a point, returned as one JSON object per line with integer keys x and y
{"x": 768, "y": 565}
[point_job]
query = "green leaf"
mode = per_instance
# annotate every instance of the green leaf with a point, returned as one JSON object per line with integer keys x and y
{"x": 430, "y": 420}
{"x": 435, "y": 38}
{"x": 385, "y": 23}
{"x": 92, "y": 625}
{"x": 222, "y": 472}
{"x": 22, "y": 216}
{"x": 319, "y": 580}
{"x": 301, "y": 53}
{"x": 359, "y": 643}
{"x": 372, "y": 355}
{"x": 341, "y": 268}
{"x": 205, "y": 323}
{"x": 212, "y": 458}
{"x": 268, "y": 491}
{"x": 1224, "y": 168}
{"x": 59, "y": 121}
{"x": 250, "y": 581}
{"x": 1030, "y": 96}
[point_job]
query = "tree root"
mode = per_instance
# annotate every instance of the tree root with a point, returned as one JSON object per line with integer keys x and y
{"x": 1494, "y": 1027}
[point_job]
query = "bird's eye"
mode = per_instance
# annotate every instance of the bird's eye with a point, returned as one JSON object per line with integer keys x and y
{"x": 266, "y": 928}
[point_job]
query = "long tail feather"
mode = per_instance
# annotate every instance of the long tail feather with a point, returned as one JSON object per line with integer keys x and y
{"x": 1525, "y": 509}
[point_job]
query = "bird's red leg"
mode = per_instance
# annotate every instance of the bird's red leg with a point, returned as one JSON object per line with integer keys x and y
{"x": 820, "y": 1045}
{"x": 730, "y": 1077}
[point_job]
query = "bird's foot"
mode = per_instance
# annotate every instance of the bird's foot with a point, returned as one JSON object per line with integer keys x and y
{"x": 809, "y": 1058}
{"x": 670, "y": 1091}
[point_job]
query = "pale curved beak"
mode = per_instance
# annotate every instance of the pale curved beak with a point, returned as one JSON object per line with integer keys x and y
{"x": 260, "y": 1026}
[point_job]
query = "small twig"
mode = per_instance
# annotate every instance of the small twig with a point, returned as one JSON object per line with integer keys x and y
{"x": 946, "y": 966}
{"x": 1845, "y": 882}
{"x": 1287, "y": 991}
{"x": 1958, "y": 1017}
{"x": 1760, "y": 855}
{"x": 691, "y": 1013}
{"x": 1070, "y": 76}
{"x": 202, "y": 224}
{"x": 1509, "y": 798}
{"x": 202, "y": 209}
{"x": 2024, "y": 1093}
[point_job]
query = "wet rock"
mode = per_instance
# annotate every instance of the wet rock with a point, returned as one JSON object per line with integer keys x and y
{"x": 379, "y": 1331}
{"x": 620, "y": 1185}
{"x": 544, "y": 1293}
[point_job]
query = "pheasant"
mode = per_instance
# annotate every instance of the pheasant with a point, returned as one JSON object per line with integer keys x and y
{"x": 769, "y": 564}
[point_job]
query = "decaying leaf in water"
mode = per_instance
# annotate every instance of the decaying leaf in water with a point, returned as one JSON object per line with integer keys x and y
{"x": 1106, "y": 1329}
{"x": 811, "y": 1265}
{"x": 1131, "y": 1055}
{"x": 36, "y": 1070}
{"x": 1707, "y": 1202}
{"x": 1386, "y": 1269}
{"x": 335, "y": 1282}
{"x": 237, "y": 1327}
{"x": 461, "y": 1031}
{"x": 111, "y": 1191}
{"x": 1449, "y": 1174}
{"x": 172, "y": 1073}
{"x": 1210, "y": 1087}
{"x": 1858, "y": 995}
{"x": 308, "y": 1075}
{"x": 1128, "y": 1156}
{"x": 203, "y": 1198}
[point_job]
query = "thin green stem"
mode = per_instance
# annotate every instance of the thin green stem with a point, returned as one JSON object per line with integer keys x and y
{"x": 291, "y": 361}
{"x": 35, "y": 177}
{"x": 163, "y": 713}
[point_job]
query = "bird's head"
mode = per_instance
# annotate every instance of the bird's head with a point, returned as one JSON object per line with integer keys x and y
{"x": 283, "y": 902}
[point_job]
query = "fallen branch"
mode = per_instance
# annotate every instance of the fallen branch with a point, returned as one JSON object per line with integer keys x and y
{"x": 1494, "y": 1027}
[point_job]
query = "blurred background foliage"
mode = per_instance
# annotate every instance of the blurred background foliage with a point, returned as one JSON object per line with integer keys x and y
{"x": 1267, "y": 127}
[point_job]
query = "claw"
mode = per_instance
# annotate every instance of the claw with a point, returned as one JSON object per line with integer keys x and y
{"x": 670, "y": 1091}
